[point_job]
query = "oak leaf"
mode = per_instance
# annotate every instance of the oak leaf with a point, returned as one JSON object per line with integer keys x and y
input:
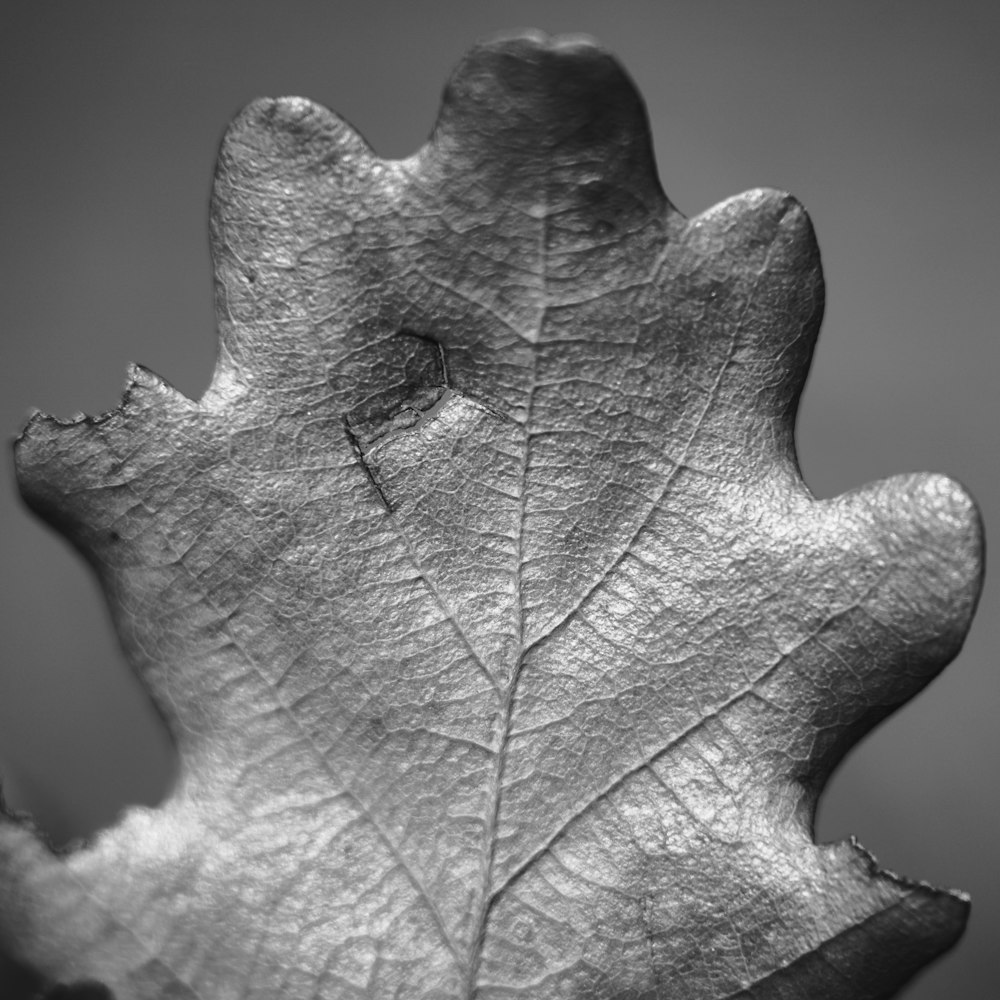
{"x": 504, "y": 648}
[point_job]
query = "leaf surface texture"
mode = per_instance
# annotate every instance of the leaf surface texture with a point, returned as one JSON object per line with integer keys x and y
{"x": 504, "y": 648}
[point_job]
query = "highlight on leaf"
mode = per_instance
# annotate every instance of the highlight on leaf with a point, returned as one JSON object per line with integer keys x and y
{"x": 505, "y": 650}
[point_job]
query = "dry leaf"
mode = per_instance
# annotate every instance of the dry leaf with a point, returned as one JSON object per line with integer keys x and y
{"x": 505, "y": 650}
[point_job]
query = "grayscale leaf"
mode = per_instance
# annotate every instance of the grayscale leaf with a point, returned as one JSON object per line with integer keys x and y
{"x": 504, "y": 648}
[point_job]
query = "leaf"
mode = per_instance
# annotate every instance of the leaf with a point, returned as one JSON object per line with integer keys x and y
{"x": 504, "y": 648}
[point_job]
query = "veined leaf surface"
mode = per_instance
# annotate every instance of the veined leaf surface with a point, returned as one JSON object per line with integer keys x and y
{"x": 504, "y": 648}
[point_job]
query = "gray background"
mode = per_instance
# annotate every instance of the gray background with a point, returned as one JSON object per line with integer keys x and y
{"x": 881, "y": 117}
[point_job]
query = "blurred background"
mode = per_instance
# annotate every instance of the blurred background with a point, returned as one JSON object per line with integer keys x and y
{"x": 881, "y": 117}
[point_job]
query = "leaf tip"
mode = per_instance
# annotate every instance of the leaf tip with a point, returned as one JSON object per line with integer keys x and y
{"x": 902, "y": 925}
{"x": 542, "y": 85}
{"x": 527, "y": 104}
{"x": 58, "y": 459}
{"x": 932, "y": 523}
{"x": 273, "y": 137}
{"x": 762, "y": 217}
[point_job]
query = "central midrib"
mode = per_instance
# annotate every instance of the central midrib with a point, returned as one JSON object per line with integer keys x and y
{"x": 507, "y": 704}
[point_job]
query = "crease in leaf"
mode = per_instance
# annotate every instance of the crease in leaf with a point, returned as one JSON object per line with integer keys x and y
{"x": 505, "y": 650}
